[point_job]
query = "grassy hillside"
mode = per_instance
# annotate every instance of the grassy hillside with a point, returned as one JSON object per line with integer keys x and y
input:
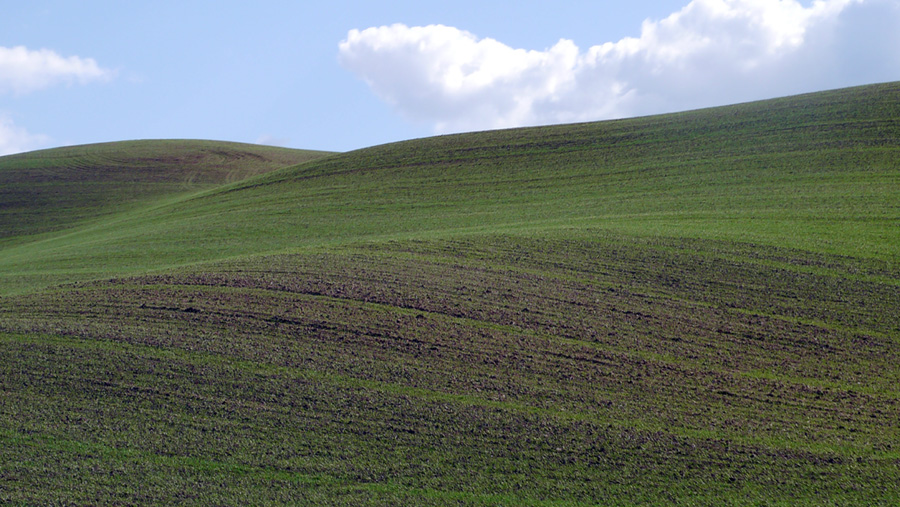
{"x": 51, "y": 190}
{"x": 699, "y": 308}
{"x": 816, "y": 172}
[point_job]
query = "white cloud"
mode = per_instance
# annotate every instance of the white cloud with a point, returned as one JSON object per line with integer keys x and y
{"x": 270, "y": 140}
{"x": 15, "y": 139}
{"x": 24, "y": 70}
{"x": 710, "y": 52}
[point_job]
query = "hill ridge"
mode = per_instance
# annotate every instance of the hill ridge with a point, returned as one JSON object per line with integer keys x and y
{"x": 818, "y": 188}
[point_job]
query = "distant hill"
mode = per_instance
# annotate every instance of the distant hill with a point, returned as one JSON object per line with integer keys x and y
{"x": 689, "y": 309}
{"x": 50, "y": 190}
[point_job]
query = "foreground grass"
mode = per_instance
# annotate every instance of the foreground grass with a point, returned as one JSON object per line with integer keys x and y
{"x": 568, "y": 369}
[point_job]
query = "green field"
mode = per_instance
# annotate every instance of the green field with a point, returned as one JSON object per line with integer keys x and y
{"x": 694, "y": 308}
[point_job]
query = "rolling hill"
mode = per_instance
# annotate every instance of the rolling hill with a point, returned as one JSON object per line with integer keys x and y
{"x": 698, "y": 307}
{"x": 51, "y": 190}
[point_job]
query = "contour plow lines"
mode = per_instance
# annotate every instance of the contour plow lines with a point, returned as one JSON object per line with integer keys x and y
{"x": 431, "y": 326}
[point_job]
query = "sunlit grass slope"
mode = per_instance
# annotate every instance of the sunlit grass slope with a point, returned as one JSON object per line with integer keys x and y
{"x": 51, "y": 190}
{"x": 817, "y": 172}
{"x": 689, "y": 309}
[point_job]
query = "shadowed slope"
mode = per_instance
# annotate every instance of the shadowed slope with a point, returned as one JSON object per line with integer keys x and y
{"x": 53, "y": 189}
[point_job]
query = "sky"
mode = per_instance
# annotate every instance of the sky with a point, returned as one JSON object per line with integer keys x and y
{"x": 340, "y": 75}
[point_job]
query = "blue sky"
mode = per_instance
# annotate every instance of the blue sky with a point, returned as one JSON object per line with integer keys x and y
{"x": 340, "y": 75}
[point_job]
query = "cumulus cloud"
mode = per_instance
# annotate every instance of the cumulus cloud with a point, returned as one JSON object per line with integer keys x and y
{"x": 710, "y": 52}
{"x": 24, "y": 70}
{"x": 15, "y": 139}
